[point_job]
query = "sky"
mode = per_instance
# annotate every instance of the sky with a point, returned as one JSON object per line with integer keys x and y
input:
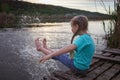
{"x": 88, "y": 5}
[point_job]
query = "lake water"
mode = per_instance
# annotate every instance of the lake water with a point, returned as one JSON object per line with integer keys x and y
{"x": 59, "y": 34}
{"x": 17, "y": 46}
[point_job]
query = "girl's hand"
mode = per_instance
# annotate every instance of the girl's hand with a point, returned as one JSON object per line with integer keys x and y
{"x": 45, "y": 58}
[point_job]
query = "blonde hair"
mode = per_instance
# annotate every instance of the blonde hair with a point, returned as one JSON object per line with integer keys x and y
{"x": 82, "y": 22}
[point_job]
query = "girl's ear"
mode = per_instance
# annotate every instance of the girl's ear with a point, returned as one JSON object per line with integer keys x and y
{"x": 76, "y": 26}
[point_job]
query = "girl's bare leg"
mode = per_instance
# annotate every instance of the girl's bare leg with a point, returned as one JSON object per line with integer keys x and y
{"x": 45, "y": 45}
{"x": 40, "y": 48}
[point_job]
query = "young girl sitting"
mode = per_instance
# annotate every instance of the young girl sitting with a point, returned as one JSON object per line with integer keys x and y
{"x": 81, "y": 48}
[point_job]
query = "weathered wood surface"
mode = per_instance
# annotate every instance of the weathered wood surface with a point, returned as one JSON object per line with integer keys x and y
{"x": 98, "y": 71}
{"x": 113, "y": 51}
{"x": 107, "y": 58}
{"x": 103, "y": 67}
{"x": 110, "y": 73}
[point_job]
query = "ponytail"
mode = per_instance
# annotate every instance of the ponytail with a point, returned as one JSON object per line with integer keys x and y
{"x": 76, "y": 33}
{"x": 82, "y": 22}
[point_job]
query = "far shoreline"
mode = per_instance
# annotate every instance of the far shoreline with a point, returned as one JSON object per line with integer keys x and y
{"x": 41, "y": 24}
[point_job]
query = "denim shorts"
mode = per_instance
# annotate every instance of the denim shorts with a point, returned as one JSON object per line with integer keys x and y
{"x": 65, "y": 59}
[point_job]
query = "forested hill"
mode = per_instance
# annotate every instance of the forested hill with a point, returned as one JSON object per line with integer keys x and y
{"x": 26, "y": 8}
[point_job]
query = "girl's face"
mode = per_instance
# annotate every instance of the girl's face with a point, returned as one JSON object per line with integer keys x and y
{"x": 74, "y": 28}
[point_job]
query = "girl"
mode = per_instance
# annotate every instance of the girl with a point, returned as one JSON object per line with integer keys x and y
{"x": 81, "y": 48}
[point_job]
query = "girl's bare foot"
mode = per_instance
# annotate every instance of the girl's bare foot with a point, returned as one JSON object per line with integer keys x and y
{"x": 44, "y": 43}
{"x": 38, "y": 45}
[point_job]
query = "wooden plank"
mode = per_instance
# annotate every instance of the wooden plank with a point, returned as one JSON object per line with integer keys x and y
{"x": 110, "y": 73}
{"x": 107, "y": 58}
{"x": 99, "y": 63}
{"x": 117, "y": 51}
{"x": 94, "y": 61}
{"x": 98, "y": 71}
{"x": 117, "y": 77}
{"x": 117, "y": 57}
{"x": 63, "y": 76}
{"x": 106, "y": 54}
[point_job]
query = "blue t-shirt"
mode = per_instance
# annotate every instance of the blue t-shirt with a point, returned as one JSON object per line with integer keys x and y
{"x": 84, "y": 51}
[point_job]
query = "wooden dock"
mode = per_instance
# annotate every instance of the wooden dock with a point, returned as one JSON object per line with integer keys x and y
{"x": 105, "y": 66}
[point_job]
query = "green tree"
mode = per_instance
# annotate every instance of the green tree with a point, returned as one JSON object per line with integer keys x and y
{"x": 7, "y": 19}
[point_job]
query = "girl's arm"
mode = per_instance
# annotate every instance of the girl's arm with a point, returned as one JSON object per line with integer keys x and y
{"x": 63, "y": 50}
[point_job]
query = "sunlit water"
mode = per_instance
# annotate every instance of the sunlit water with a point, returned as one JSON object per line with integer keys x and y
{"x": 20, "y": 42}
{"x": 60, "y": 34}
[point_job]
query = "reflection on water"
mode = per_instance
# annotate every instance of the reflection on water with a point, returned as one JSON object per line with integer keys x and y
{"x": 20, "y": 42}
{"x": 61, "y": 34}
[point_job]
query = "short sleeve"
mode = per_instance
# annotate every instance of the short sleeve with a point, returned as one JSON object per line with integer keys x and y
{"x": 80, "y": 42}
